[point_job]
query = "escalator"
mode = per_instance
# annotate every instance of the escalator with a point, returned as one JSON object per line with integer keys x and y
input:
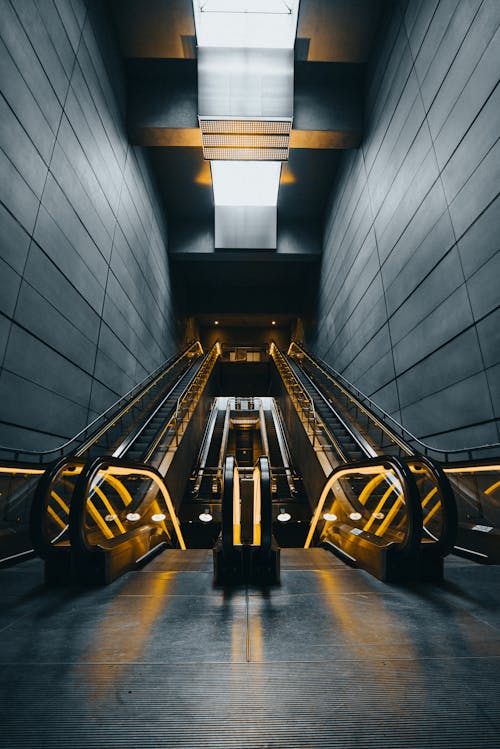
{"x": 474, "y": 474}
{"x": 140, "y": 427}
{"x": 337, "y": 444}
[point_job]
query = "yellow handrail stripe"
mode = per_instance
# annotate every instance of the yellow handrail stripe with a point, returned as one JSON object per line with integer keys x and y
{"x": 56, "y": 517}
{"x": 369, "y": 487}
{"x": 429, "y": 496}
{"x": 378, "y": 508}
{"x": 390, "y": 515}
{"x": 62, "y": 504}
{"x": 492, "y": 488}
{"x": 431, "y": 514}
{"x": 109, "y": 508}
{"x": 122, "y": 490}
{"x": 98, "y": 519}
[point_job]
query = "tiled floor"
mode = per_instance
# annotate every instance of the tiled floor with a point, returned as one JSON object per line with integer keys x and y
{"x": 330, "y": 658}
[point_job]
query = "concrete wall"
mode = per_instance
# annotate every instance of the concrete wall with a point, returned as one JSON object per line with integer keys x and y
{"x": 85, "y": 307}
{"x": 410, "y": 285}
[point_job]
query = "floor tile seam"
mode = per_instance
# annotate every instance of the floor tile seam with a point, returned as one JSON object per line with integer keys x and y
{"x": 244, "y": 662}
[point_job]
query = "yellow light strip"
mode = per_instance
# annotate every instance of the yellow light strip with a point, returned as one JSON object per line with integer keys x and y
{"x": 378, "y": 508}
{"x": 122, "y": 490}
{"x": 390, "y": 515}
{"x": 15, "y": 470}
{"x": 236, "y": 508}
{"x": 369, "y": 487}
{"x": 492, "y": 488}
{"x": 326, "y": 490}
{"x": 257, "y": 508}
{"x": 473, "y": 469}
{"x": 109, "y": 508}
{"x": 100, "y": 522}
{"x": 431, "y": 514}
{"x": 118, "y": 471}
{"x": 56, "y": 517}
{"x": 62, "y": 504}
{"x": 429, "y": 496}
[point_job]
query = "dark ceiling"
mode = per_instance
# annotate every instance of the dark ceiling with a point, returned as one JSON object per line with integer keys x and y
{"x": 158, "y": 42}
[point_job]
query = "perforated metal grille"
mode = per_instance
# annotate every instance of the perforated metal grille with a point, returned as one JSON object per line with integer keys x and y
{"x": 245, "y": 140}
{"x": 246, "y": 154}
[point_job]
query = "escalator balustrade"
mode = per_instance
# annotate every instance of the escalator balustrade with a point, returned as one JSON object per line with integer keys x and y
{"x": 471, "y": 486}
{"x": 246, "y": 550}
{"x": 370, "y": 514}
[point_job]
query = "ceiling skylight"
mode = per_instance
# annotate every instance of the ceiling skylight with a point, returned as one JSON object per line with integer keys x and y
{"x": 246, "y": 23}
{"x": 246, "y": 183}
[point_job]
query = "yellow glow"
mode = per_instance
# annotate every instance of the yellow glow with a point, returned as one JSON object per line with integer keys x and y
{"x": 390, "y": 516}
{"x": 56, "y": 517}
{"x": 60, "y": 501}
{"x": 109, "y": 508}
{"x": 27, "y": 471}
{"x": 377, "y": 514}
{"x": 257, "y": 503}
{"x": 287, "y": 176}
{"x": 204, "y": 176}
{"x": 492, "y": 488}
{"x": 236, "y": 509}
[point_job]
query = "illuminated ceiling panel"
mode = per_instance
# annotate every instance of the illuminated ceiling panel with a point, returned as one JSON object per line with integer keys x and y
{"x": 246, "y": 183}
{"x": 246, "y": 23}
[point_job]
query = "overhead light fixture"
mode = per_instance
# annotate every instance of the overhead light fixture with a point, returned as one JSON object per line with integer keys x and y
{"x": 330, "y": 516}
{"x": 284, "y": 516}
{"x": 273, "y": 322}
{"x": 249, "y": 183}
{"x": 158, "y": 517}
{"x": 216, "y": 322}
{"x": 109, "y": 518}
{"x": 239, "y": 23}
{"x": 355, "y": 516}
{"x": 206, "y": 515}
{"x": 133, "y": 516}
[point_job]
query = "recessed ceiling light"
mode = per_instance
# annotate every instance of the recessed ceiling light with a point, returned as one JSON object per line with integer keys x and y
{"x": 330, "y": 516}
{"x": 273, "y": 322}
{"x": 284, "y": 516}
{"x": 158, "y": 517}
{"x": 355, "y": 516}
{"x": 133, "y": 516}
{"x": 216, "y": 322}
{"x": 206, "y": 515}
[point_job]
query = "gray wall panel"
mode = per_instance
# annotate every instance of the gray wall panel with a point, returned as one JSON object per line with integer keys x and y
{"x": 424, "y": 188}
{"x": 86, "y": 302}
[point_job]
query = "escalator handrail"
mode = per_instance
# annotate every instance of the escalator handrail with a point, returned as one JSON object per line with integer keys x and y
{"x": 42, "y": 544}
{"x": 79, "y": 543}
{"x": 332, "y": 375}
{"x": 173, "y": 418}
{"x": 266, "y": 504}
{"x": 441, "y": 454}
{"x": 357, "y": 438}
{"x": 319, "y": 424}
{"x": 227, "y": 503}
{"x": 411, "y": 542}
{"x": 129, "y": 441}
{"x": 82, "y": 438}
{"x": 449, "y": 527}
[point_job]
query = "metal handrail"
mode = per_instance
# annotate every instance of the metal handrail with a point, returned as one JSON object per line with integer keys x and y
{"x": 57, "y": 452}
{"x": 409, "y": 436}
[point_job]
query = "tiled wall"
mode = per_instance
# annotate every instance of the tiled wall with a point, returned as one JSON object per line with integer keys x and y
{"x": 85, "y": 307}
{"x": 409, "y": 306}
